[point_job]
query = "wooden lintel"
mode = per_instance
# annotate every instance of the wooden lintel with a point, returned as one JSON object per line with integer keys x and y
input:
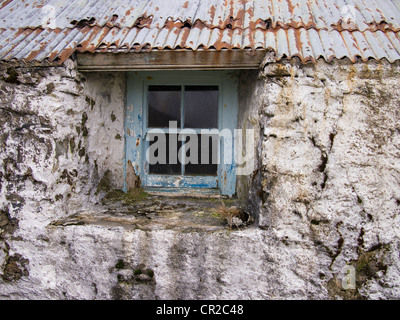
{"x": 171, "y": 60}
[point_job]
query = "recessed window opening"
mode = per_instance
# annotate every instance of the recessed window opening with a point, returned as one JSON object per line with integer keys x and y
{"x": 180, "y": 129}
{"x": 185, "y": 107}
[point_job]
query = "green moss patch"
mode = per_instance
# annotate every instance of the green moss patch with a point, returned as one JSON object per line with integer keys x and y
{"x": 131, "y": 197}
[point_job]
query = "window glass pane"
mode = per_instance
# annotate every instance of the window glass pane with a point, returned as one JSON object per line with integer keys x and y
{"x": 207, "y": 157}
{"x": 164, "y": 106}
{"x": 201, "y": 106}
{"x": 164, "y": 153}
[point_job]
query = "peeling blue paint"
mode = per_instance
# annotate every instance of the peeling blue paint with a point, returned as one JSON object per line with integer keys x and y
{"x": 135, "y": 127}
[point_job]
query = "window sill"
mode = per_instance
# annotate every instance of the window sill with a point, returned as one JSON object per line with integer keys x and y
{"x": 155, "y": 212}
{"x": 186, "y": 192}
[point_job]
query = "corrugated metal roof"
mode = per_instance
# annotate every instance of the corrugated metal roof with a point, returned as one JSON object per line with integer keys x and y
{"x": 54, "y": 29}
{"x": 319, "y": 14}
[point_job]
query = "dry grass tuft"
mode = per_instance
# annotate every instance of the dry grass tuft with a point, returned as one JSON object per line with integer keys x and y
{"x": 232, "y": 215}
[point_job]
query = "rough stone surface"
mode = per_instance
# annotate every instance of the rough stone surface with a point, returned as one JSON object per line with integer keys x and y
{"x": 324, "y": 192}
{"x": 331, "y": 170}
{"x": 106, "y": 94}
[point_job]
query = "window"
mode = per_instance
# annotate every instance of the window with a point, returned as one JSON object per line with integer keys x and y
{"x": 174, "y": 122}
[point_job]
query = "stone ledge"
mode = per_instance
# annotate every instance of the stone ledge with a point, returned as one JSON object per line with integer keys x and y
{"x": 186, "y": 214}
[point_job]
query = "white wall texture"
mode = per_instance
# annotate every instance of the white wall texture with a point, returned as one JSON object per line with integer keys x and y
{"x": 324, "y": 192}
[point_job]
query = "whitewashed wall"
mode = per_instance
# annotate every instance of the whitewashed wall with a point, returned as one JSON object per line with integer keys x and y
{"x": 324, "y": 191}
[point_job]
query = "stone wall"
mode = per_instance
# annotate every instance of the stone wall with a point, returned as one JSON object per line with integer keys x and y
{"x": 324, "y": 191}
{"x": 59, "y": 135}
{"x": 107, "y": 94}
{"x": 331, "y": 169}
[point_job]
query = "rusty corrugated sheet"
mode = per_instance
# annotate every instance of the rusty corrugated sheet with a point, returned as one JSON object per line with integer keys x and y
{"x": 53, "y": 29}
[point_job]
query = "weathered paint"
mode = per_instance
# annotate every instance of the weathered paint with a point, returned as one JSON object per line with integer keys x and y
{"x": 136, "y": 118}
{"x": 177, "y": 181}
{"x": 133, "y": 125}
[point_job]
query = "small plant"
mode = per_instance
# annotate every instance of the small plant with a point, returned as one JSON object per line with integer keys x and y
{"x": 232, "y": 215}
{"x": 120, "y": 264}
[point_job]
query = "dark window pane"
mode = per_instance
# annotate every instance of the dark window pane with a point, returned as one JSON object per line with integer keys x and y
{"x": 172, "y": 165}
{"x": 164, "y": 106}
{"x": 207, "y": 157}
{"x": 201, "y": 107}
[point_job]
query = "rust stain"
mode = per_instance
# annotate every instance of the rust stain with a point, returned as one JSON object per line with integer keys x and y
{"x": 52, "y": 55}
{"x": 112, "y": 20}
{"x": 186, "y": 4}
{"x": 170, "y": 24}
{"x": 219, "y": 44}
{"x": 4, "y": 3}
{"x": 67, "y": 51}
{"x": 185, "y": 35}
{"x": 32, "y": 54}
{"x": 87, "y": 44}
{"x": 40, "y": 5}
{"x": 252, "y": 24}
{"x": 212, "y": 12}
{"x": 237, "y": 22}
{"x": 137, "y": 142}
{"x": 143, "y": 21}
{"x": 290, "y": 6}
{"x": 20, "y": 31}
{"x": 176, "y": 30}
{"x": 199, "y": 25}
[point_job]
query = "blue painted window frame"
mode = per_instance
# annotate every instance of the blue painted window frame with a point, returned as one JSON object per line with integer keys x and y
{"x": 135, "y": 127}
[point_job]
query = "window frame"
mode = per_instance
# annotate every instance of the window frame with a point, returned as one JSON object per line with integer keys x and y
{"x": 171, "y": 180}
{"x": 136, "y": 127}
